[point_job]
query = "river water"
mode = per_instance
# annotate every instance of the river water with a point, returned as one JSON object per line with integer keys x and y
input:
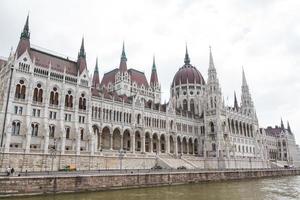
{"x": 282, "y": 188}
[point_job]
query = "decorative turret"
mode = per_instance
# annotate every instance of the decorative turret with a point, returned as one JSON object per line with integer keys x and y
{"x": 123, "y": 63}
{"x": 247, "y": 104}
{"x": 187, "y": 57}
{"x": 236, "y": 105}
{"x": 288, "y": 127}
{"x": 96, "y": 80}
{"x": 154, "y": 78}
{"x": 282, "y": 125}
{"x": 24, "y": 43}
{"x": 81, "y": 61}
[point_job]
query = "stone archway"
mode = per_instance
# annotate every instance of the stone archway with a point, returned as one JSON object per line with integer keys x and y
{"x": 196, "y": 146}
{"x": 190, "y": 143}
{"x": 105, "y": 138}
{"x": 147, "y": 142}
{"x": 155, "y": 143}
{"x": 116, "y": 139}
{"x": 184, "y": 146}
{"x": 126, "y": 140}
{"x": 138, "y": 141}
{"x": 171, "y": 142}
{"x": 162, "y": 143}
{"x": 179, "y": 145}
{"x": 97, "y": 137}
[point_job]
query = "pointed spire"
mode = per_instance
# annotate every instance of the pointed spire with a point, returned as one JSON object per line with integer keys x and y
{"x": 96, "y": 80}
{"x": 25, "y": 33}
{"x": 282, "y": 125}
{"x": 236, "y": 105}
{"x": 154, "y": 77}
{"x": 123, "y": 64}
{"x": 244, "y": 78}
{"x": 81, "y": 61}
{"x": 211, "y": 60}
{"x": 82, "y": 51}
{"x": 187, "y": 57}
{"x": 288, "y": 127}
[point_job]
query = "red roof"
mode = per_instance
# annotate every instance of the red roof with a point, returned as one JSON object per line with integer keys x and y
{"x": 273, "y": 131}
{"x": 24, "y": 44}
{"x": 188, "y": 74}
{"x": 109, "y": 77}
{"x": 43, "y": 59}
{"x": 138, "y": 77}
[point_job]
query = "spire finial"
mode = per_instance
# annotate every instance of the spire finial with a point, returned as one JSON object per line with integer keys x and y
{"x": 186, "y": 58}
{"x": 123, "y": 52}
{"x": 236, "y": 105}
{"x": 25, "y": 33}
{"x": 96, "y": 66}
{"x": 282, "y": 125}
{"x": 82, "y": 51}
{"x": 288, "y": 127}
{"x": 153, "y": 65}
{"x": 244, "y": 77}
{"x": 211, "y": 60}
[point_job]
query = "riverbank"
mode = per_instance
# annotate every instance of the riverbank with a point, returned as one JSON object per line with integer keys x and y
{"x": 66, "y": 183}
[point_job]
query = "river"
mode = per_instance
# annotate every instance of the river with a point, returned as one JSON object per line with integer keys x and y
{"x": 282, "y": 188}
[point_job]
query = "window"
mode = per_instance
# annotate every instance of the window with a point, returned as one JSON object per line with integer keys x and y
{"x": 81, "y": 119}
{"x": 68, "y": 117}
{"x": 20, "y": 90}
{"x": 82, "y": 102}
{"x": 52, "y": 115}
{"x": 81, "y": 134}
{"x": 16, "y": 128}
{"x": 38, "y": 93}
{"x": 54, "y": 96}
{"x": 51, "y": 131}
{"x": 69, "y": 100}
{"x": 67, "y": 133}
{"x": 34, "y": 129}
{"x": 36, "y": 112}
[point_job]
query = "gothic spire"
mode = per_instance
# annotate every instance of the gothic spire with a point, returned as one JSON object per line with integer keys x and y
{"x": 24, "y": 43}
{"x": 81, "y": 61}
{"x": 154, "y": 77}
{"x": 82, "y": 51}
{"x": 236, "y": 105}
{"x": 187, "y": 57}
{"x": 96, "y": 80}
{"x": 123, "y": 63}
{"x": 282, "y": 125}
{"x": 288, "y": 127}
{"x": 211, "y": 60}
{"x": 244, "y": 78}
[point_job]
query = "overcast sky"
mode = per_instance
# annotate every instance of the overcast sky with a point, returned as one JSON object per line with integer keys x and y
{"x": 261, "y": 35}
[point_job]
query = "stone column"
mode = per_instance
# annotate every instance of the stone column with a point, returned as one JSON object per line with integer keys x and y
{"x": 151, "y": 145}
{"x": 143, "y": 144}
{"x": 111, "y": 141}
{"x": 63, "y": 142}
{"x": 188, "y": 148}
{"x": 78, "y": 138}
{"x": 133, "y": 143}
{"x": 158, "y": 149}
{"x": 167, "y": 144}
{"x": 175, "y": 147}
{"x": 121, "y": 147}
{"x": 99, "y": 140}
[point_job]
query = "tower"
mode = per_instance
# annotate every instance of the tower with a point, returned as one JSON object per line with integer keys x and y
{"x": 154, "y": 84}
{"x": 24, "y": 43}
{"x": 96, "y": 80}
{"x": 247, "y": 106}
{"x": 213, "y": 119}
{"x": 81, "y": 61}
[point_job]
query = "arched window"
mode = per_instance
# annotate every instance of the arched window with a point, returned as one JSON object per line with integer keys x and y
{"x": 34, "y": 129}
{"x": 212, "y": 127}
{"x": 54, "y": 97}
{"x": 82, "y": 102}
{"x": 67, "y": 132}
{"x": 51, "y": 131}
{"x": 38, "y": 93}
{"x": 15, "y": 128}
{"x": 185, "y": 106}
{"x": 20, "y": 90}
{"x": 81, "y": 134}
{"x": 138, "y": 118}
{"x": 192, "y": 106}
{"x": 69, "y": 100}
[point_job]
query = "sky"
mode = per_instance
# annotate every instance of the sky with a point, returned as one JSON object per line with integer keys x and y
{"x": 262, "y": 36}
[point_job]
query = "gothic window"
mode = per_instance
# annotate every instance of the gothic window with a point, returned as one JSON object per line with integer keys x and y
{"x": 213, "y": 147}
{"x": 54, "y": 97}
{"x": 16, "y": 128}
{"x": 20, "y": 90}
{"x": 67, "y": 133}
{"x": 192, "y": 106}
{"x": 34, "y": 129}
{"x": 51, "y": 131}
{"x": 138, "y": 118}
{"x": 212, "y": 127}
{"x": 82, "y": 102}
{"x": 185, "y": 106}
{"x": 38, "y": 93}
{"x": 69, "y": 100}
{"x": 81, "y": 134}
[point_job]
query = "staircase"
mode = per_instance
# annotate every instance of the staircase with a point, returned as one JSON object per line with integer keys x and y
{"x": 168, "y": 161}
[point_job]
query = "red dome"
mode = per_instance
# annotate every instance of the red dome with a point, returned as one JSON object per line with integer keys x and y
{"x": 188, "y": 74}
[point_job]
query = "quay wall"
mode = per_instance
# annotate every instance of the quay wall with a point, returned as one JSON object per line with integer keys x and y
{"x": 33, "y": 185}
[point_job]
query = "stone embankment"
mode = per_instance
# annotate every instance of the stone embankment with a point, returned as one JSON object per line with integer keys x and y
{"x": 77, "y": 182}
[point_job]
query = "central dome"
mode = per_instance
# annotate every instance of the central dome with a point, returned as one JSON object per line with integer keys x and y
{"x": 188, "y": 74}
